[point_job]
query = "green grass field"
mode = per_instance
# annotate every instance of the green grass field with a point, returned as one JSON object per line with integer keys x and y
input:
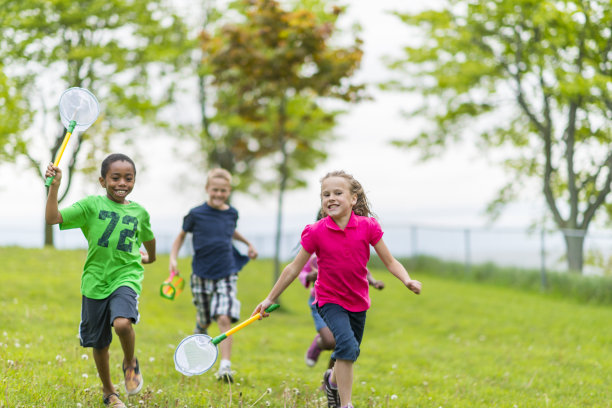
{"x": 458, "y": 344}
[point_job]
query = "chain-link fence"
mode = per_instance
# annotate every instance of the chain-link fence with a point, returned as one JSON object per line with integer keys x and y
{"x": 518, "y": 247}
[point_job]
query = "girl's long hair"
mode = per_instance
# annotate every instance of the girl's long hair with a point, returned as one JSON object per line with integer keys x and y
{"x": 362, "y": 206}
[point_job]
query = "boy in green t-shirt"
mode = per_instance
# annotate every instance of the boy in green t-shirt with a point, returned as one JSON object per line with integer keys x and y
{"x": 112, "y": 276}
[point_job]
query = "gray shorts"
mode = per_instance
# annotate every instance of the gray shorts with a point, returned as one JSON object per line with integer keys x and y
{"x": 213, "y": 298}
{"x": 98, "y": 315}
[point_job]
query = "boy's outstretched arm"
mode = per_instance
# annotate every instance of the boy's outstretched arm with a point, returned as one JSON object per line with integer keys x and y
{"x": 396, "y": 268}
{"x": 252, "y": 252}
{"x": 288, "y": 275}
{"x": 176, "y": 247}
{"x": 52, "y": 214}
{"x": 150, "y": 256}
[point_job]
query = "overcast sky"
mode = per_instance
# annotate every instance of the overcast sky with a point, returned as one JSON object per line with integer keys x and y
{"x": 451, "y": 190}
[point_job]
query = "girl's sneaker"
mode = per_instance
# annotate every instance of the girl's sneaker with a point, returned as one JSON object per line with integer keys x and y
{"x": 313, "y": 352}
{"x": 333, "y": 399}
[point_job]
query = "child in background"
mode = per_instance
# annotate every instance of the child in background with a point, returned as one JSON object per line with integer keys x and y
{"x": 216, "y": 262}
{"x": 112, "y": 276}
{"x": 341, "y": 242}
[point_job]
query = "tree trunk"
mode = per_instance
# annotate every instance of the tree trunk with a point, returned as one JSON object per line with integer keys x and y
{"x": 278, "y": 237}
{"x": 574, "y": 243}
{"x": 282, "y": 187}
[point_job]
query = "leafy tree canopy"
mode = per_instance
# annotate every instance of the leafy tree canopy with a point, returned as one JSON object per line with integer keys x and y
{"x": 127, "y": 52}
{"x": 528, "y": 76}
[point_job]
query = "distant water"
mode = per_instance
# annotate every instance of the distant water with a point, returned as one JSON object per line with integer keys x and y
{"x": 502, "y": 246}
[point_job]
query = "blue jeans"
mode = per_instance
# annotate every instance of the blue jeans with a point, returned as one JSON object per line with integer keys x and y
{"x": 347, "y": 328}
{"x": 316, "y": 317}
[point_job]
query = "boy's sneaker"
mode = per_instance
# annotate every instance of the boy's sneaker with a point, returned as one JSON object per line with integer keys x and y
{"x": 313, "y": 352}
{"x": 200, "y": 330}
{"x": 133, "y": 379}
{"x": 225, "y": 374}
{"x": 113, "y": 401}
{"x": 333, "y": 399}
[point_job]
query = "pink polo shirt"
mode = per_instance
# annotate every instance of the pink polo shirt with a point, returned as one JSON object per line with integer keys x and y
{"x": 342, "y": 256}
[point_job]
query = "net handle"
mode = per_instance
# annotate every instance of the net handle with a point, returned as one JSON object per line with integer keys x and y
{"x": 242, "y": 325}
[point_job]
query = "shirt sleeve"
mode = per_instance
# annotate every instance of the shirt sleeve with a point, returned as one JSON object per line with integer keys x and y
{"x": 75, "y": 215}
{"x": 307, "y": 241}
{"x": 147, "y": 231}
{"x": 188, "y": 222}
{"x": 375, "y": 231}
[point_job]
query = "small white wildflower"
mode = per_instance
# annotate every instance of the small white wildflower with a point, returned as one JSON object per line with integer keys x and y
{"x": 27, "y": 346}
{"x": 394, "y": 366}
{"x": 58, "y": 358}
{"x": 85, "y": 375}
{"x": 84, "y": 357}
{"x": 394, "y": 397}
{"x": 151, "y": 359}
{"x": 425, "y": 383}
{"x": 267, "y": 403}
{"x": 141, "y": 402}
{"x": 363, "y": 383}
{"x": 79, "y": 405}
{"x": 10, "y": 363}
{"x": 17, "y": 345}
{"x": 269, "y": 390}
{"x": 5, "y": 334}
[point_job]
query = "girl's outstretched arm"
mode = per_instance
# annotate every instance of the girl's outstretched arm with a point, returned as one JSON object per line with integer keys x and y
{"x": 396, "y": 268}
{"x": 289, "y": 274}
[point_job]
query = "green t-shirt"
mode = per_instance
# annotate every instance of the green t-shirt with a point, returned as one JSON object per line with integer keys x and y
{"x": 115, "y": 233}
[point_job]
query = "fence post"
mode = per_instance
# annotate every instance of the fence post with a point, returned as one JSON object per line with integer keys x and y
{"x": 413, "y": 245}
{"x": 544, "y": 280}
{"x": 468, "y": 250}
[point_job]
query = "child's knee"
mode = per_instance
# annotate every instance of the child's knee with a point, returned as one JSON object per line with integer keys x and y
{"x": 122, "y": 326}
{"x": 224, "y": 320}
{"x": 347, "y": 349}
{"x": 327, "y": 340}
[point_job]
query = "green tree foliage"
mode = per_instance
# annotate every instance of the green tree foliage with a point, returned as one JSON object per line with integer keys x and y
{"x": 125, "y": 52}
{"x": 13, "y": 111}
{"x": 530, "y": 78}
{"x": 270, "y": 69}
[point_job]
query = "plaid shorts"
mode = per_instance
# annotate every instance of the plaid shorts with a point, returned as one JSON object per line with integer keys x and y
{"x": 213, "y": 298}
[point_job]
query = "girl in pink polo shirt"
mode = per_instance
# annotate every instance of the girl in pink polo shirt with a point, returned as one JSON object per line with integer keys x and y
{"x": 341, "y": 242}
